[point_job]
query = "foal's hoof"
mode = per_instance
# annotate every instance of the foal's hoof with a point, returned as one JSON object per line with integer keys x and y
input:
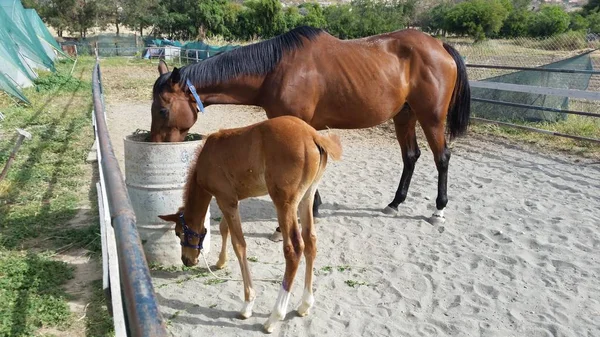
{"x": 276, "y": 236}
{"x": 390, "y": 211}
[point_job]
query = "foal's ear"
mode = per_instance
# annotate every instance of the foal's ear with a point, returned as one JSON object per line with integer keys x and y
{"x": 162, "y": 67}
{"x": 175, "y": 76}
{"x": 170, "y": 217}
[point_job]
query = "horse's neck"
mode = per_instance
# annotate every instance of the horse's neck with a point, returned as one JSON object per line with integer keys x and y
{"x": 243, "y": 90}
{"x": 196, "y": 205}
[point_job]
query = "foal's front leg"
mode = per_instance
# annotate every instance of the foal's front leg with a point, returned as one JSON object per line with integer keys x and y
{"x": 293, "y": 246}
{"x": 231, "y": 212}
{"x": 224, "y": 228}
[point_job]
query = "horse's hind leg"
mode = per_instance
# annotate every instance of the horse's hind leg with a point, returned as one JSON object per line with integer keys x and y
{"x": 404, "y": 123}
{"x": 434, "y": 131}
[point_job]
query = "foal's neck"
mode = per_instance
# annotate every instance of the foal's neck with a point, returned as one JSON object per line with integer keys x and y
{"x": 196, "y": 205}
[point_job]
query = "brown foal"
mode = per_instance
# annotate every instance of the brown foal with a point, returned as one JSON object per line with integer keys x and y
{"x": 283, "y": 157}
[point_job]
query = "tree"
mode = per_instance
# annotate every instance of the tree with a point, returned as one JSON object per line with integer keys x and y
{"x": 341, "y": 21}
{"x": 517, "y": 23}
{"x": 578, "y": 22}
{"x": 139, "y": 14}
{"x": 434, "y": 21}
{"x": 550, "y": 20}
{"x": 477, "y": 18}
{"x": 312, "y": 15}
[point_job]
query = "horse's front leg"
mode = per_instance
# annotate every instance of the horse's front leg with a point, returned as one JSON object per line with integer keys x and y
{"x": 293, "y": 246}
{"x": 232, "y": 214}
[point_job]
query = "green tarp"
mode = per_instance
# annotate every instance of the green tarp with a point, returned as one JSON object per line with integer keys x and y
{"x": 535, "y": 78}
{"x": 26, "y": 46}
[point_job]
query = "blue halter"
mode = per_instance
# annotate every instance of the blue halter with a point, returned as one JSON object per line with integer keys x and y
{"x": 187, "y": 233}
{"x": 195, "y": 94}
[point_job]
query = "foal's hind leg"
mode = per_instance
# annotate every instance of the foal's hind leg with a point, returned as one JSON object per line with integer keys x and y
{"x": 309, "y": 236}
{"x": 293, "y": 246}
{"x": 404, "y": 123}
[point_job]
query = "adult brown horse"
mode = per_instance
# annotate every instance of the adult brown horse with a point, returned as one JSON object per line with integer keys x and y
{"x": 406, "y": 75}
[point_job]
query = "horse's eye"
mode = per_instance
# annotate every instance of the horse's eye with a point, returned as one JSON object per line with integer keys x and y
{"x": 164, "y": 112}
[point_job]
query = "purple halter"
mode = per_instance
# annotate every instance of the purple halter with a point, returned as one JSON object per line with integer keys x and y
{"x": 187, "y": 232}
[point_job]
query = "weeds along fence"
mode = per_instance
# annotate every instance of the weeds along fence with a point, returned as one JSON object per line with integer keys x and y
{"x": 126, "y": 277}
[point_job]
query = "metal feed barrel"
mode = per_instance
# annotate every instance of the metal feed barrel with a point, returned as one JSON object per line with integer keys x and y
{"x": 155, "y": 175}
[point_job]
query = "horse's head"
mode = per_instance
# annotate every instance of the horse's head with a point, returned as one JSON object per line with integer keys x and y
{"x": 191, "y": 239}
{"x": 174, "y": 109}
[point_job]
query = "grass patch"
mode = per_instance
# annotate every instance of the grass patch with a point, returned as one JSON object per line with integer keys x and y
{"x": 47, "y": 186}
{"x": 354, "y": 284}
{"x": 99, "y": 322}
{"x": 30, "y": 293}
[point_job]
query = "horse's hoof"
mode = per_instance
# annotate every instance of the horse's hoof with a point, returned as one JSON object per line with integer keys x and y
{"x": 276, "y": 236}
{"x": 437, "y": 218}
{"x": 245, "y": 315}
{"x": 390, "y": 211}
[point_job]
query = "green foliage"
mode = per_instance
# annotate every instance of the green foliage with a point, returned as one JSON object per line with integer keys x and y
{"x": 31, "y": 293}
{"x": 517, "y": 23}
{"x": 550, "y": 20}
{"x": 434, "y": 21}
{"x": 60, "y": 82}
{"x": 578, "y": 22}
{"x": 593, "y": 19}
{"x": 340, "y": 21}
{"x": 312, "y": 15}
{"x": 477, "y": 18}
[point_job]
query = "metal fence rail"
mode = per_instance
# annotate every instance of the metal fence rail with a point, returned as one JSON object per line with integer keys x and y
{"x": 141, "y": 313}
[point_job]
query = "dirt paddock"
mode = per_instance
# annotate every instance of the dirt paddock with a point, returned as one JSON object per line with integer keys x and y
{"x": 518, "y": 255}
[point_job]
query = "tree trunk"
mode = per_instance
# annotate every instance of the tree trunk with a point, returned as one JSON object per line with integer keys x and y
{"x": 141, "y": 31}
{"x": 117, "y": 25}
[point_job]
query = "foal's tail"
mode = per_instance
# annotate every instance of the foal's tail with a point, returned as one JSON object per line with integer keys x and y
{"x": 330, "y": 143}
{"x": 459, "y": 111}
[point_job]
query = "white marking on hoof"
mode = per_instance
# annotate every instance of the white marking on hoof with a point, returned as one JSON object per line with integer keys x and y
{"x": 247, "y": 309}
{"x": 276, "y": 236}
{"x": 278, "y": 310}
{"x": 307, "y": 302}
{"x": 438, "y": 217}
{"x": 390, "y": 211}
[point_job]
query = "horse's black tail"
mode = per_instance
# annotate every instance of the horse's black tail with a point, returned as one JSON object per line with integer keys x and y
{"x": 459, "y": 111}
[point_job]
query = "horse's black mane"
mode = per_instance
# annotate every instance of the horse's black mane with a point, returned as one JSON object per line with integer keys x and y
{"x": 255, "y": 59}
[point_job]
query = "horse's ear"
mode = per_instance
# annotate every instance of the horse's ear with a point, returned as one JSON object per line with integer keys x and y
{"x": 175, "y": 76}
{"x": 162, "y": 67}
{"x": 170, "y": 217}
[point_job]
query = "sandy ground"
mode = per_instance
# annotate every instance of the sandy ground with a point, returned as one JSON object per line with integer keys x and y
{"x": 517, "y": 256}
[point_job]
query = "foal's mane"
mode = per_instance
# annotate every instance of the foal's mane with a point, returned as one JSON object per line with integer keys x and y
{"x": 191, "y": 175}
{"x": 255, "y": 59}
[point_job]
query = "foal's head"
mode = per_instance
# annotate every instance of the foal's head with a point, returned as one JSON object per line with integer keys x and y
{"x": 190, "y": 239}
{"x": 174, "y": 109}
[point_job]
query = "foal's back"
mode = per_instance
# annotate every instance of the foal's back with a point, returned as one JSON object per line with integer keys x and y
{"x": 274, "y": 156}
